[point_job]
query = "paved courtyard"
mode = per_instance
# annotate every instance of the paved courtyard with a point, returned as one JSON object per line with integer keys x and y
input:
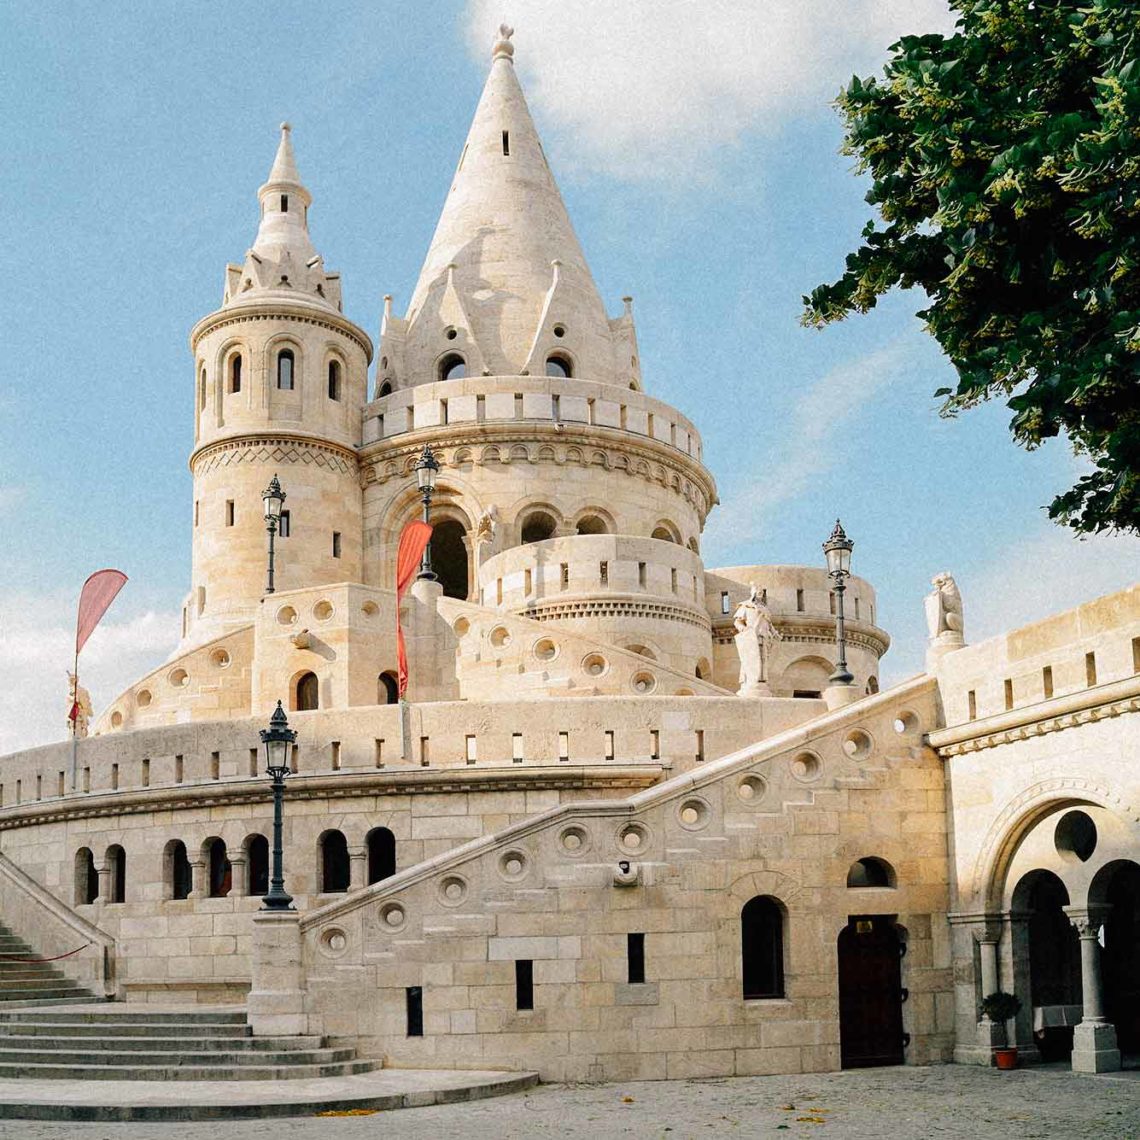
{"x": 903, "y": 1104}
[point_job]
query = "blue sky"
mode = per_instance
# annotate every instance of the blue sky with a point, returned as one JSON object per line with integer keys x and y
{"x": 699, "y": 160}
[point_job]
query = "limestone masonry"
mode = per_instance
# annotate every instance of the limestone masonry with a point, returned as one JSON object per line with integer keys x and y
{"x": 627, "y": 823}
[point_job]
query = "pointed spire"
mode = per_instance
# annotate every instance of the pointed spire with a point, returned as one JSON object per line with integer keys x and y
{"x": 285, "y": 164}
{"x": 502, "y": 227}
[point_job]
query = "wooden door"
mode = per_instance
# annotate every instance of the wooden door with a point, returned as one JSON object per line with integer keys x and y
{"x": 870, "y": 993}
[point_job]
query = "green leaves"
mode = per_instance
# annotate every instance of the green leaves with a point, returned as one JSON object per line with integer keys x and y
{"x": 1005, "y": 168}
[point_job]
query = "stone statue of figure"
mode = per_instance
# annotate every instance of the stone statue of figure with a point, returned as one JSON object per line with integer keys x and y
{"x": 487, "y": 529}
{"x": 79, "y": 699}
{"x": 755, "y": 636}
{"x": 944, "y": 609}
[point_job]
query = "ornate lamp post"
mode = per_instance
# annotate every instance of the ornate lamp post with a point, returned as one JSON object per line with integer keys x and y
{"x": 838, "y": 550}
{"x": 272, "y": 497}
{"x": 277, "y": 739}
{"x": 427, "y": 469}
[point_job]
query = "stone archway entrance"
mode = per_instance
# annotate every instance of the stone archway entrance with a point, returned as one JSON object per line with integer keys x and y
{"x": 1122, "y": 951}
{"x": 449, "y": 557}
{"x": 870, "y": 992}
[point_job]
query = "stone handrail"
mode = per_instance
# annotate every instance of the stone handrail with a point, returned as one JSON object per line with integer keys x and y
{"x": 33, "y": 913}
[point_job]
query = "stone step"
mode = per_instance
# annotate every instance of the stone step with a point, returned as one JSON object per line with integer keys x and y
{"x": 129, "y": 1030}
{"x": 32, "y": 993}
{"x": 84, "y": 998}
{"x": 120, "y": 1042}
{"x": 175, "y": 1058}
{"x": 132, "y": 1014}
{"x": 38, "y": 1072}
{"x": 12, "y": 973}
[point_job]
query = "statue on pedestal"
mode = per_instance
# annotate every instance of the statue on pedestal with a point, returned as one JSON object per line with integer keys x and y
{"x": 80, "y": 710}
{"x": 944, "y": 622}
{"x": 755, "y": 636}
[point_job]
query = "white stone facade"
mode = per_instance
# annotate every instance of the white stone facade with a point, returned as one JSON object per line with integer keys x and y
{"x": 574, "y": 847}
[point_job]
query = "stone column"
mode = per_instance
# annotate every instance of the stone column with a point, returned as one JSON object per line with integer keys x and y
{"x": 238, "y": 879}
{"x": 103, "y": 873}
{"x": 991, "y": 1034}
{"x": 199, "y": 886}
{"x": 1094, "y": 1039}
{"x": 357, "y": 858}
{"x": 277, "y": 996}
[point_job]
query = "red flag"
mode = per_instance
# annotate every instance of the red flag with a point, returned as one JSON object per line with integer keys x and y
{"x": 413, "y": 539}
{"x": 98, "y": 593}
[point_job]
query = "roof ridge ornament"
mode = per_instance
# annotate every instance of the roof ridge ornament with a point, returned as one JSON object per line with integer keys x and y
{"x": 503, "y": 48}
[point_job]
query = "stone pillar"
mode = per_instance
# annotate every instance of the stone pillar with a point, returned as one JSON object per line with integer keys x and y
{"x": 103, "y": 873}
{"x": 199, "y": 886}
{"x": 991, "y": 1034}
{"x": 1094, "y": 1039}
{"x": 357, "y": 861}
{"x": 238, "y": 879}
{"x": 839, "y": 696}
{"x": 277, "y": 996}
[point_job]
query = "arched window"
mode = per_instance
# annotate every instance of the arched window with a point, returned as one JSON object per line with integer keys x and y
{"x": 116, "y": 859}
{"x": 285, "y": 363}
{"x": 235, "y": 372}
{"x": 86, "y": 877}
{"x": 308, "y": 692}
{"x": 538, "y": 527}
{"x": 257, "y": 865}
{"x": 179, "y": 874}
{"x": 202, "y": 390}
{"x": 871, "y": 872}
{"x": 218, "y": 866}
{"x": 762, "y": 948}
{"x": 381, "y": 854}
{"x": 872, "y": 686}
{"x": 452, "y": 367}
{"x": 592, "y": 524}
{"x": 449, "y": 557}
{"x": 333, "y": 862}
{"x": 559, "y": 365}
{"x": 385, "y": 389}
{"x": 334, "y": 379}
{"x": 665, "y": 533}
{"x": 387, "y": 689}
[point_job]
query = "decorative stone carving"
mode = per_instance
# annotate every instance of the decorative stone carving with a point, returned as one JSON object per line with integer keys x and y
{"x": 79, "y": 704}
{"x": 944, "y": 622}
{"x": 487, "y": 531}
{"x": 755, "y": 636}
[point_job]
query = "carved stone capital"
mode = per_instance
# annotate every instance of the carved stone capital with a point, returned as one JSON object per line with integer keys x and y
{"x": 1087, "y": 920}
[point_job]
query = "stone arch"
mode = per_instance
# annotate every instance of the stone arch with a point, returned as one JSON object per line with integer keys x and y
{"x": 304, "y": 691}
{"x": 177, "y": 874}
{"x": 86, "y": 877}
{"x": 255, "y": 847}
{"x": 388, "y": 688}
{"x": 666, "y": 531}
{"x": 539, "y": 519}
{"x": 334, "y": 355}
{"x": 380, "y": 843}
{"x": 219, "y": 873}
{"x": 274, "y": 346}
{"x": 332, "y": 862}
{"x": 594, "y": 520}
{"x": 115, "y": 860}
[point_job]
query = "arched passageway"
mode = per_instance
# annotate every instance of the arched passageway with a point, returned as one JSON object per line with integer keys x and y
{"x": 381, "y": 854}
{"x": 1119, "y": 885}
{"x": 449, "y": 557}
{"x": 870, "y": 993}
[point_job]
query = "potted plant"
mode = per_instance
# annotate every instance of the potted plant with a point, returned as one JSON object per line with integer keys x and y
{"x": 1000, "y": 1008}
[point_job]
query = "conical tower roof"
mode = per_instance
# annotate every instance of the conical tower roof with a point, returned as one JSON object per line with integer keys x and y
{"x": 505, "y": 266}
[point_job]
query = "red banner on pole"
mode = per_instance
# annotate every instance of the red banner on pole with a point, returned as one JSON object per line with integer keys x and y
{"x": 413, "y": 539}
{"x": 98, "y": 593}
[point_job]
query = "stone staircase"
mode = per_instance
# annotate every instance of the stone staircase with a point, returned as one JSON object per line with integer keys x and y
{"x": 27, "y": 980}
{"x": 137, "y": 1043}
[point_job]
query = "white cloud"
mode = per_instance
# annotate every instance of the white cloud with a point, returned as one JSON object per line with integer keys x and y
{"x": 37, "y": 643}
{"x": 820, "y": 416}
{"x": 648, "y": 88}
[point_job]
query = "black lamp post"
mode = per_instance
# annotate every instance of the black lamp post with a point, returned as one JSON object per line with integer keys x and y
{"x": 272, "y": 497}
{"x": 427, "y": 469}
{"x": 277, "y": 738}
{"x": 838, "y": 550}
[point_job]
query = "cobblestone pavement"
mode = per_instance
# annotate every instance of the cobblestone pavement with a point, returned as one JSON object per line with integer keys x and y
{"x": 900, "y": 1104}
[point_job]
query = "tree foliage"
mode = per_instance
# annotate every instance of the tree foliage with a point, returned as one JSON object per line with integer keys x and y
{"x": 1005, "y": 166}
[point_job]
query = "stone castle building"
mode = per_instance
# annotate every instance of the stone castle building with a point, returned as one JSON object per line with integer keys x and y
{"x": 595, "y": 840}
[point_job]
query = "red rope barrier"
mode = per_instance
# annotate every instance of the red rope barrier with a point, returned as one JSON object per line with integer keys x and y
{"x": 36, "y": 961}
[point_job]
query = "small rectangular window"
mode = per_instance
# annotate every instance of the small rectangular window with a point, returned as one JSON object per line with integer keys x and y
{"x": 972, "y": 704}
{"x": 799, "y": 601}
{"x": 253, "y": 759}
{"x": 62, "y": 784}
{"x": 724, "y": 601}
{"x": 283, "y": 525}
{"x": 144, "y": 776}
{"x": 673, "y": 580}
{"x": 414, "y": 997}
{"x": 635, "y": 956}
{"x": 179, "y": 765}
{"x": 654, "y": 744}
{"x": 334, "y": 747}
{"x": 114, "y": 780}
{"x": 1047, "y": 681}
{"x": 700, "y": 745}
{"x": 524, "y": 984}
{"x": 336, "y": 543}
{"x": 564, "y": 576}
{"x": 1090, "y": 669}
{"x": 1136, "y": 655}
{"x": 1008, "y": 687}
{"x": 641, "y": 575}
{"x": 295, "y": 759}
{"x": 528, "y": 582}
{"x": 229, "y": 512}
{"x": 443, "y": 413}
{"x": 856, "y": 609}
{"x": 498, "y": 591}
{"x": 379, "y": 751}
{"x": 196, "y": 509}
{"x": 604, "y": 573}
{"x": 39, "y": 787}
{"x": 284, "y": 203}
{"x": 470, "y": 749}
{"x": 425, "y": 754}
{"x": 87, "y": 779}
{"x": 506, "y": 142}
{"x": 517, "y": 747}
{"x": 215, "y": 765}
{"x": 564, "y": 746}
{"x": 609, "y": 744}
{"x": 831, "y": 601}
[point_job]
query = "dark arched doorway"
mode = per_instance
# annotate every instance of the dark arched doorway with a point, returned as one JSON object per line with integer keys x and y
{"x": 449, "y": 557}
{"x": 870, "y": 993}
{"x": 1121, "y": 980}
{"x": 387, "y": 689}
{"x": 308, "y": 692}
{"x": 381, "y": 854}
{"x": 257, "y": 865}
{"x": 334, "y": 865}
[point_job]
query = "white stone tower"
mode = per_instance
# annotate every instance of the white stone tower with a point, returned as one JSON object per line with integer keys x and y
{"x": 280, "y": 381}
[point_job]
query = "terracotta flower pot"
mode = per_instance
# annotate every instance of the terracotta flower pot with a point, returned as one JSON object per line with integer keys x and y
{"x": 1005, "y": 1058}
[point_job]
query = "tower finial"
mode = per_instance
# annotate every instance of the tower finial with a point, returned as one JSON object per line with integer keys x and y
{"x": 503, "y": 48}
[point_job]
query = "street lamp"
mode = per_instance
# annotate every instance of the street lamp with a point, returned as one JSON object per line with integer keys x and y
{"x": 277, "y": 738}
{"x": 427, "y": 469}
{"x": 272, "y": 497}
{"x": 838, "y": 550}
